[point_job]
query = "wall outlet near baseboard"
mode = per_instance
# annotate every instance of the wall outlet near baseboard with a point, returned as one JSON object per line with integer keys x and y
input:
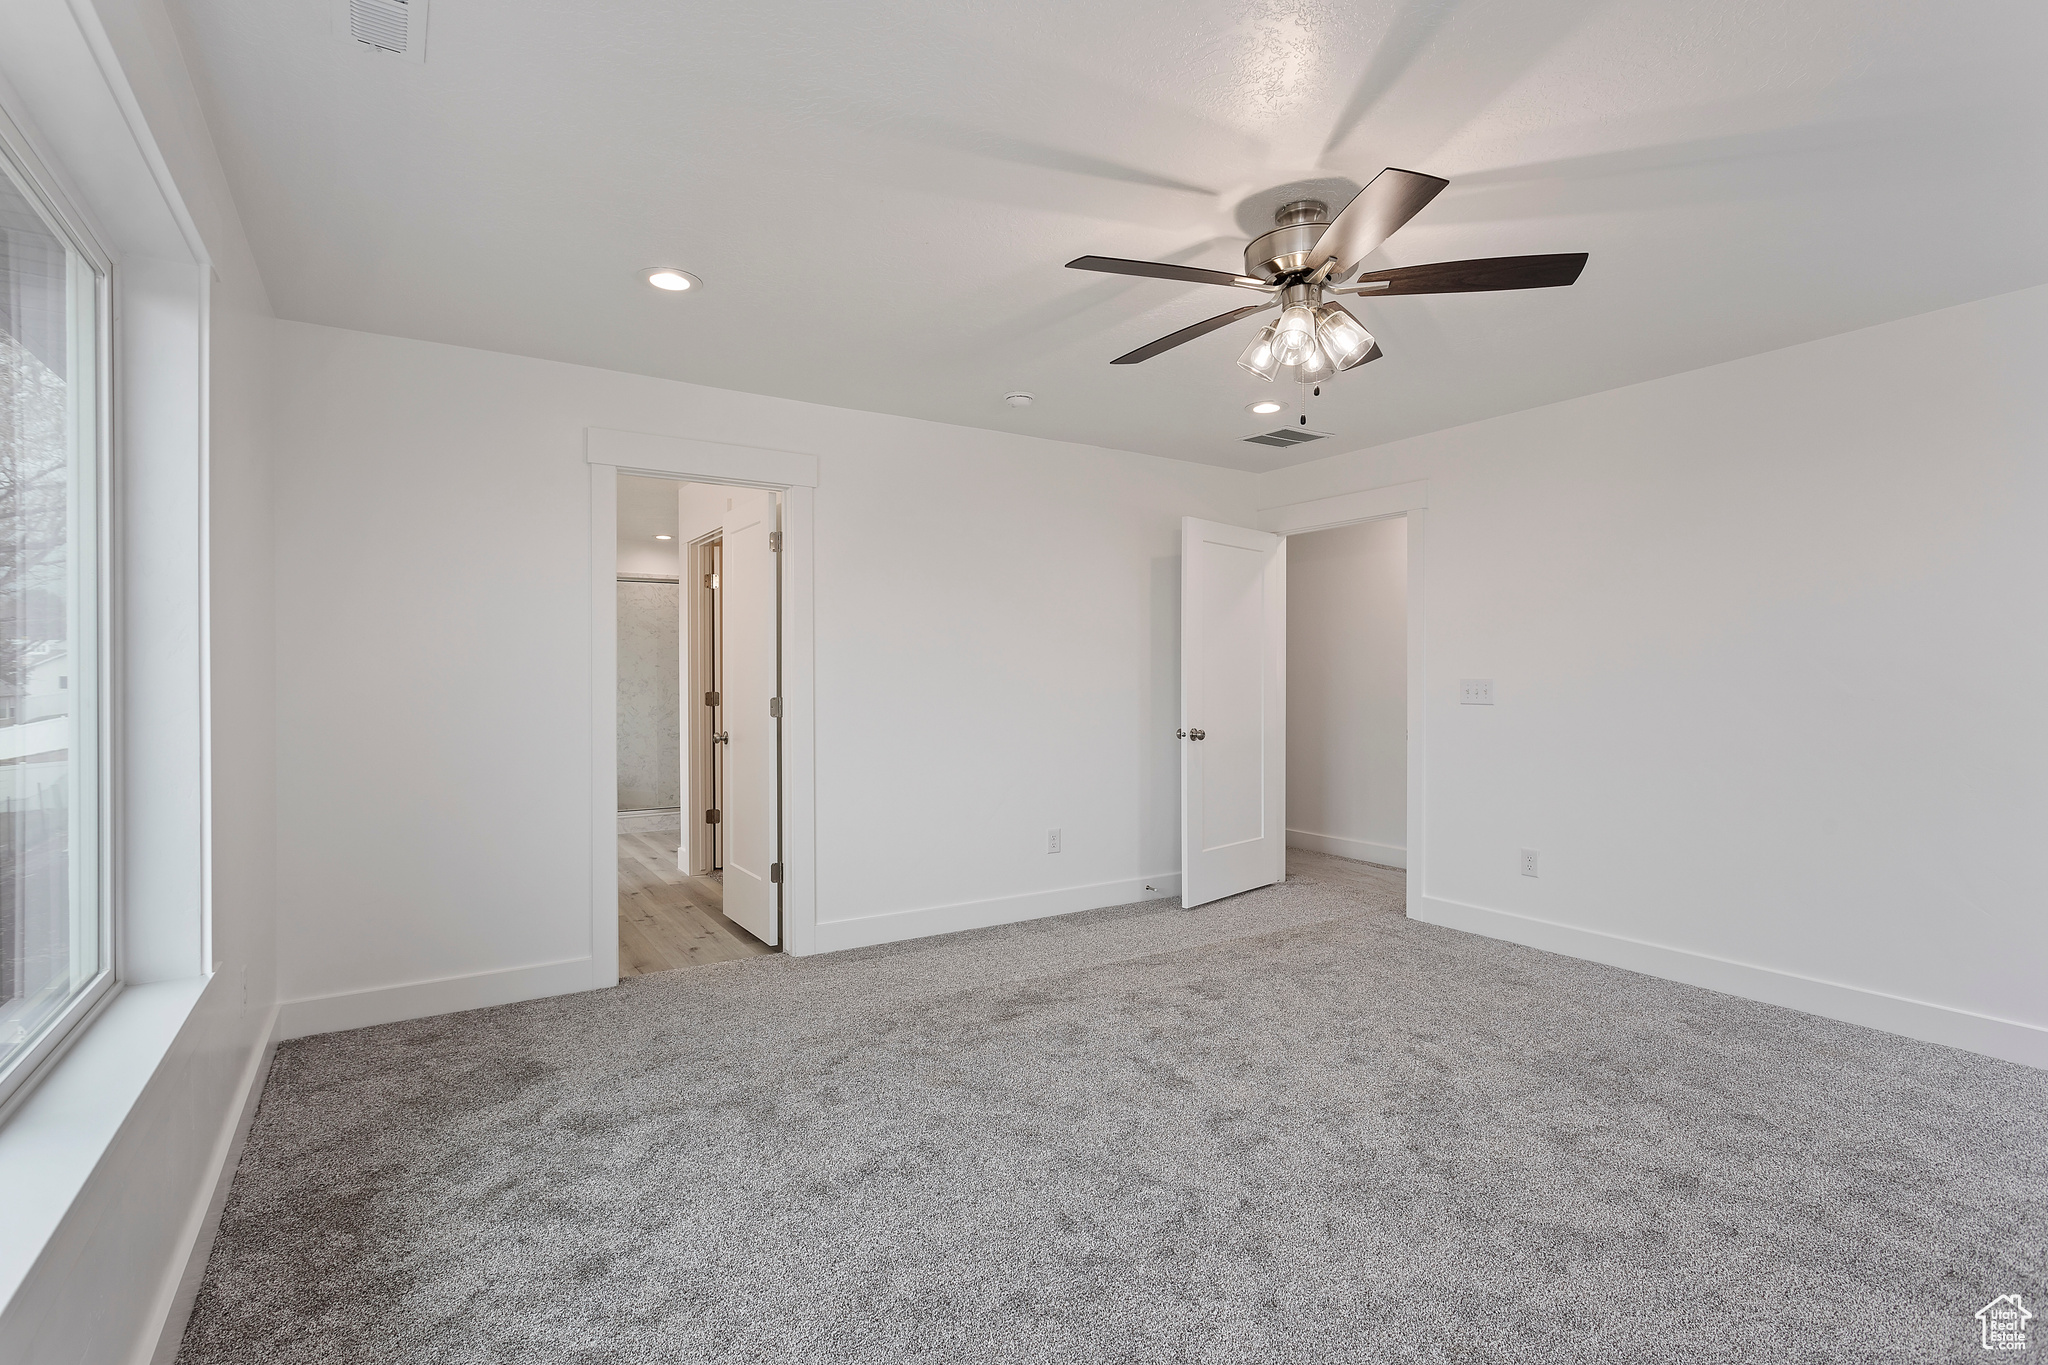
{"x": 1052, "y": 841}
{"x": 1475, "y": 691}
{"x": 1528, "y": 862}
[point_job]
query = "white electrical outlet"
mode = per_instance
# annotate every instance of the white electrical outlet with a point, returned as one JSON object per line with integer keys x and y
{"x": 1528, "y": 862}
{"x": 1052, "y": 841}
{"x": 1475, "y": 691}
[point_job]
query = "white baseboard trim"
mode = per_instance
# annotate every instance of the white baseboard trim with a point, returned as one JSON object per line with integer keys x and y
{"x": 1364, "y": 850}
{"x": 833, "y": 935}
{"x": 642, "y": 821}
{"x": 2008, "y": 1039}
{"x": 419, "y": 999}
{"x": 188, "y": 1271}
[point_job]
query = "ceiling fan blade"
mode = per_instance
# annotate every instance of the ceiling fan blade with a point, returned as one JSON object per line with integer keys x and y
{"x": 1185, "y": 334}
{"x": 1464, "y": 277}
{"x": 1374, "y": 214}
{"x": 1161, "y": 270}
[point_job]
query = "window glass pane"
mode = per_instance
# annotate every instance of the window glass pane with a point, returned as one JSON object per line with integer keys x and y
{"x": 51, "y": 946}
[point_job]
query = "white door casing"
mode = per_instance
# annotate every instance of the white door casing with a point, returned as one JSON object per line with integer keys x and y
{"x": 747, "y": 584}
{"x": 1233, "y": 691}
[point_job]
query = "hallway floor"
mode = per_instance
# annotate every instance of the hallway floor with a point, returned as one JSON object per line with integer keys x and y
{"x": 1291, "y": 1126}
{"x": 667, "y": 919}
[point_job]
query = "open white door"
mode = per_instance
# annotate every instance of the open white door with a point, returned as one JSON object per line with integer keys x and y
{"x": 748, "y": 581}
{"x": 1233, "y": 710}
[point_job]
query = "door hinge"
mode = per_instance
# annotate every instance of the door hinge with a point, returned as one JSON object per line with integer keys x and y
{"x": 775, "y": 872}
{"x": 707, "y": 580}
{"x": 775, "y": 707}
{"x": 710, "y": 817}
{"x": 711, "y": 699}
{"x": 775, "y": 542}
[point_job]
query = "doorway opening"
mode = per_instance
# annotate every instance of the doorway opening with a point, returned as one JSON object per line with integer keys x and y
{"x": 1284, "y": 618}
{"x": 1347, "y": 700}
{"x": 698, "y": 724}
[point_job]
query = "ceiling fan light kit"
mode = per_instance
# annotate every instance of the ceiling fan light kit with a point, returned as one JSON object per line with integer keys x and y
{"x": 1259, "y": 358}
{"x": 1343, "y": 337}
{"x": 1315, "y": 367}
{"x": 1308, "y": 255}
{"x": 1294, "y": 336}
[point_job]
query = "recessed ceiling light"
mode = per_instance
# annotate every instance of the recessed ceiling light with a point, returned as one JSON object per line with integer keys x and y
{"x": 1018, "y": 400}
{"x": 669, "y": 278}
{"x": 664, "y": 537}
{"x": 1262, "y": 407}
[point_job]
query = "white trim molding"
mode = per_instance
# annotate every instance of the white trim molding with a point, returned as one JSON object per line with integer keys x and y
{"x": 899, "y": 925}
{"x": 2008, "y": 1039}
{"x": 1320, "y": 514}
{"x": 604, "y": 724}
{"x": 180, "y": 1290}
{"x": 437, "y": 995}
{"x": 1362, "y": 850}
{"x": 711, "y": 461}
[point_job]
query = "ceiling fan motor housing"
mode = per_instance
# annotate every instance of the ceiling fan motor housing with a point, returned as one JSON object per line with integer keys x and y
{"x": 1284, "y": 250}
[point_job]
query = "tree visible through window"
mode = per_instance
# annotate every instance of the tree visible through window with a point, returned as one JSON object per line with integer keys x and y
{"x": 51, "y": 939}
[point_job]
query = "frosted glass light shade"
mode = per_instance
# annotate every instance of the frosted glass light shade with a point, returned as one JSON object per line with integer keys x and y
{"x": 1317, "y": 366}
{"x": 1294, "y": 335}
{"x": 1259, "y": 358}
{"x": 1342, "y": 335}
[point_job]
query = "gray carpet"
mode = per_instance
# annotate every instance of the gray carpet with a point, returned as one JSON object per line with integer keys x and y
{"x": 1294, "y": 1126}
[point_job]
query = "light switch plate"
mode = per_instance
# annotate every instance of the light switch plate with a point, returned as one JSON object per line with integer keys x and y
{"x": 1475, "y": 691}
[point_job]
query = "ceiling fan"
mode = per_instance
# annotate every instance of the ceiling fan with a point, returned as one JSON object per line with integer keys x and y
{"x": 1305, "y": 259}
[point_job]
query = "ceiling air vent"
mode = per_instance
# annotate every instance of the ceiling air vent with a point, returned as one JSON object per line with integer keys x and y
{"x": 395, "y": 26}
{"x": 1286, "y": 436}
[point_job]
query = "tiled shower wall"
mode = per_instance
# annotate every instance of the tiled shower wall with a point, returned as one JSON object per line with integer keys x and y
{"x": 650, "y": 697}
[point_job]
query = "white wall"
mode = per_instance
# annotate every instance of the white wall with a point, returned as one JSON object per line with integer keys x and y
{"x": 1347, "y": 691}
{"x": 996, "y": 655}
{"x": 1767, "y": 642}
{"x": 657, "y": 560}
{"x": 650, "y": 715}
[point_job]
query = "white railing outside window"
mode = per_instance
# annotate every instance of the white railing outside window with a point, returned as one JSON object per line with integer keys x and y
{"x": 56, "y": 950}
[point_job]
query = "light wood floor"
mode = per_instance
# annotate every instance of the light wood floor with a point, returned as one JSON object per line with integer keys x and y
{"x": 669, "y": 920}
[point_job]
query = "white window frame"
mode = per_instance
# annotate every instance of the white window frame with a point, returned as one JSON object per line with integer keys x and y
{"x": 91, "y": 732}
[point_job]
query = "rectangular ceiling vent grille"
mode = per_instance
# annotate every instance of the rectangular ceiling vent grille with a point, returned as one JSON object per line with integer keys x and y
{"x": 1284, "y": 437}
{"x": 395, "y": 26}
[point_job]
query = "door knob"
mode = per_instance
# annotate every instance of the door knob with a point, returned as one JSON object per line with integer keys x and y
{"x": 1198, "y": 734}
{"x": 718, "y": 738}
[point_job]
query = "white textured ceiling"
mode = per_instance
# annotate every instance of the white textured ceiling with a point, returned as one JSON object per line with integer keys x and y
{"x": 880, "y": 198}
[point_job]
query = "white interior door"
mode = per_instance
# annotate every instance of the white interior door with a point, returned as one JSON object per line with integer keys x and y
{"x": 1233, "y": 710}
{"x": 747, "y": 584}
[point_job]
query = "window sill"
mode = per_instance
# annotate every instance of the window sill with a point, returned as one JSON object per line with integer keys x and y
{"x": 54, "y": 1140}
